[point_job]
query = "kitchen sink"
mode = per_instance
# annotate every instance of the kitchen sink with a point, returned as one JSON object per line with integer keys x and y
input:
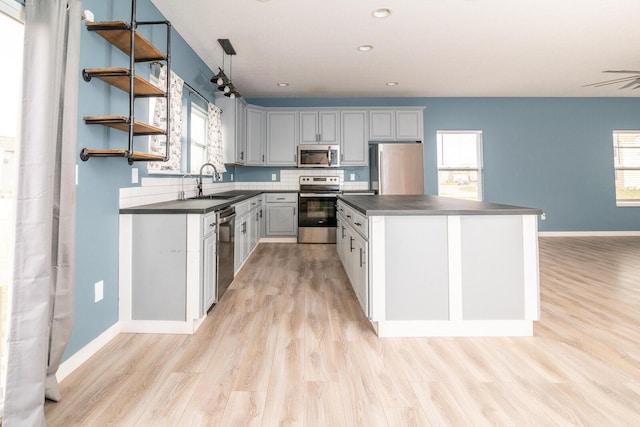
{"x": 217, "y": 197}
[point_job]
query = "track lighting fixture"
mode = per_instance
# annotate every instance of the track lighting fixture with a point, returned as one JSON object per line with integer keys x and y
{"x": 221, "y": 80}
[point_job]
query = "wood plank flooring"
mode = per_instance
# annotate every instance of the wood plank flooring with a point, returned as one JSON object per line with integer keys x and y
{"x": 289, "y": 346}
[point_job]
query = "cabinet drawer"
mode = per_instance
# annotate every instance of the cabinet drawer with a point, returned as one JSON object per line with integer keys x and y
{"x": 360, "y": 223}
{"x": 255, "y": 202}
{"x": 242, "y": 208}
{"x": 282, "y": 197}
{"x": 208, "y": 224}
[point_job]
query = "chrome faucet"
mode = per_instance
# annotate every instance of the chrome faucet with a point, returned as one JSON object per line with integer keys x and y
{"x": 215, "y": 174}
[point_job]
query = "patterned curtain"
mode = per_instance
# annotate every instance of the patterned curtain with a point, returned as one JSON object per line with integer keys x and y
{"x": 157, "y": 144}
{"x": 214, "y": 138}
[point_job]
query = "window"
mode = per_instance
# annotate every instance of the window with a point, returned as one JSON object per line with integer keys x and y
{"x": 11, "y": 34}
{"x": 460, "y": 164}
{"x": 197, "y": 138}
{"x": 626, "y": 157}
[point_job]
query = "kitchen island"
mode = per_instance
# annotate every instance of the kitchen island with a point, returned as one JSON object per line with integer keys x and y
{"x": 433, "y": 266}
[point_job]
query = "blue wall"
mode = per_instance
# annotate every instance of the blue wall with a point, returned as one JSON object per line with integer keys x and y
{"x": 555, "y": 154}
{"x": 99, "y": 180}
{"x": 550, "y": 153}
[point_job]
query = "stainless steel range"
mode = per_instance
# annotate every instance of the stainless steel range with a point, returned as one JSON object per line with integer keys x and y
{"x": 317, "y": 209}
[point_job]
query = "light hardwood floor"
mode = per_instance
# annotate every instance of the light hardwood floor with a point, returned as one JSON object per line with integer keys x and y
{"x": 289, "y": 346}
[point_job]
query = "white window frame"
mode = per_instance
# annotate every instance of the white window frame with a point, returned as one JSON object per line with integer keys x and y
{"x": 461, "y": 168}
{"x": 204, "y": 144}
{"x": 619, "y": 168}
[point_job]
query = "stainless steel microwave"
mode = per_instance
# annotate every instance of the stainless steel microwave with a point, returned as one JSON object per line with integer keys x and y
{"x": 318, "y": 156}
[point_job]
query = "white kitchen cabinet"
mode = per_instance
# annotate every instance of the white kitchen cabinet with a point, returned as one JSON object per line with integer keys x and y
{"x": 354, "y": 138}
{"x": 233, "y": 121}
{"x": 256, "y": 136}
{"x": 399, "y": 124}
{"x": 282, "y": 137}
{"x": 209, "y": 262}
{"x": 281, "y": 214}
{"x": 241, "y": 247}
{"x": 353, "y": 248}
{"x": 319, "y": 127}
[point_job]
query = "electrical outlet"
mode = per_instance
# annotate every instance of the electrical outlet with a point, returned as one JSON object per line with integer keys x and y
{"x": 543, "y": 216}
{"x": 352, "y": 176}
{"x": 134, "y": 175}
{"x": 231, "y": 177}
{"x": 273, "y": 177}
{"x": 98, "y": 288}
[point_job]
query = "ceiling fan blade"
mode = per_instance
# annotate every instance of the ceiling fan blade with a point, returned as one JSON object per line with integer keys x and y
{"x": 633, "y": 82}
{"x": 612, "y": 81}
{"x": 623, "y": 71}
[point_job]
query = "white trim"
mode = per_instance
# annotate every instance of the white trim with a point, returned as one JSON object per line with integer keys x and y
{"x": 278, "y": 240}
{"x": 125, "y": 271}
{"x": 531, "y": 267}
{"x": 377, "y": 268}
{"x": 85, "y": 353}
{"x": 13, "y": 9}
{"x": 161, "y": 326}
{"x": 588, "y": 233}
{"x": 454, "y": 246}
{"x": 461, "y": 328}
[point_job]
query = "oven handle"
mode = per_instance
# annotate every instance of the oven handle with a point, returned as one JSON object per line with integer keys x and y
{"x": 318, "y": 195}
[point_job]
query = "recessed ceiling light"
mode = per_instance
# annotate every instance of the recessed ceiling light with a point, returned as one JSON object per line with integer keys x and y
{"x": 365, "y": 48}
{"x": 391, "y": 83}
{"x": 281, "y": 84}
{"x": 381, "y": 13}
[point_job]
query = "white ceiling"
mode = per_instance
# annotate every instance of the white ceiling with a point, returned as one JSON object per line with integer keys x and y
{"x": 432, "y": 48}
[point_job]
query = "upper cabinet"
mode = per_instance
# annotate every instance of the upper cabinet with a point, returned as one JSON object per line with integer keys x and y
{"x": 233, "y": 119}
{"x": 319, "y": 127}
{"x": 256, "y": 137}
{"x": 354, "y": 138}
{"x": 396, "y": 124}
{"x": 282, "y": 137}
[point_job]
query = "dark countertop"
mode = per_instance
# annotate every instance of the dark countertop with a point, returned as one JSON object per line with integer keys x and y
{"x": 199, "y": 206}
{"x": 430, "y": 205}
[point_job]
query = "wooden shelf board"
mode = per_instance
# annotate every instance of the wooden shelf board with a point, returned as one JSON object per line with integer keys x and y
{"x": 140, "y": 85}
{"x": 118, "y": 34}
{"x": 135, "y": 156}
{"x": 122, "y": 123}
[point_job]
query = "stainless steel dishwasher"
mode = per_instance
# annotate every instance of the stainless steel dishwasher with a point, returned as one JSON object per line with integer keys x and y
{"x": 226, "y": 220}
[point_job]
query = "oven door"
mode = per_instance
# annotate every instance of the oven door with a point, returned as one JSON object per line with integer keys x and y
{"x": 317, "y": 218}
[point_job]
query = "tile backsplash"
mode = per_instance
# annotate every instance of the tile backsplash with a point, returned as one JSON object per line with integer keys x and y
{"x": 154, "y": 190}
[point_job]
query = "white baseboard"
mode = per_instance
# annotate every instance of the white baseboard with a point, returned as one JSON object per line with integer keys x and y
{"x": 81, "y": 356}
{"x": 278, "y": 240}
{"x": 451, "y": 328}
{"x": 588, "y": 233}
{"x": 160, "y": 326}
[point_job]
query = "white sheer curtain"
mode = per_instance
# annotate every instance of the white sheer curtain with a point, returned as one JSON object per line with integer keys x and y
{"x": 160, "y": 120}
{"x": 42, "y": 288}
{"x": 214, "y": 138}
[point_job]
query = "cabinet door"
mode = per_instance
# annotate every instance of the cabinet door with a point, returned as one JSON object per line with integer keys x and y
{"x": 254, "y": 229}
{"x": 354, "y": 138}
{"x": 282, "y": 219}
{"x": 208, "y": 272}
{"x": 328, "y": 127}
{"x": 309, "y": 127}
{"x": 241, "y": 136}
{"x": 282, "y": 138}
{"x": 361, "y": 276}
{"x": 409, "y": 125}
{"x": 255, "y": 137}
{"x": 240, "y": 243}
{"x": 382, "y": 125}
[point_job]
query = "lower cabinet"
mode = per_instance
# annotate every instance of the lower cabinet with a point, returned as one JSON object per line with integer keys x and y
{"x": 353, "y": 251}
{"x": 281, "y": 214}
{"x": 209, "y": 263}
{"x": 247, "y": 231}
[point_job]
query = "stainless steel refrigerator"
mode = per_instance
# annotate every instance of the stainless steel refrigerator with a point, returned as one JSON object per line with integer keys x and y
{"x": 396, "y": 168}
